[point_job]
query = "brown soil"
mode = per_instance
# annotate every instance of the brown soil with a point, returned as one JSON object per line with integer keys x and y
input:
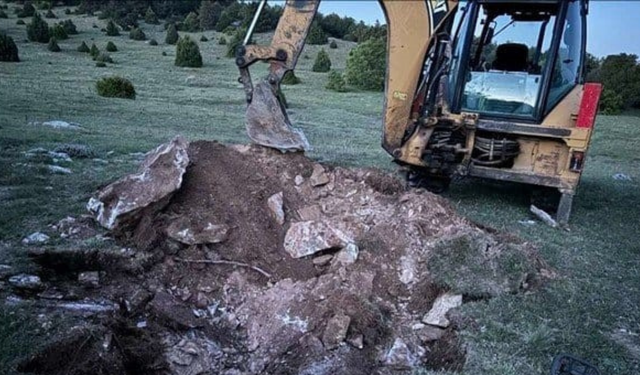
{"x": 230, "y": 319}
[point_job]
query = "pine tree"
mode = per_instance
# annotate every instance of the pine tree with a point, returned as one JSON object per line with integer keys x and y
{"x": 111, "y": 47}
{"x": 172, "y": 35}
{"x": 188, "y": 53}
{"x": 112, "y": 29}
{"x": 322, "y": 63}
{"x": 150, "y": 17}
{"x": 84, "y": 48}
{"x": 38, "y": 30}
{"x": 8, "y": 49}
{"x": 317, "y": 35}
{"x": 94, "y": 51}
{"x": 53, "y": 45}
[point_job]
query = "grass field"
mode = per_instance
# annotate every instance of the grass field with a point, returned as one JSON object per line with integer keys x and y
{"x": 591, "y": 310}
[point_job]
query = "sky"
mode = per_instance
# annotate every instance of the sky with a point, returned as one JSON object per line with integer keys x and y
{"x": 614, "y": 26}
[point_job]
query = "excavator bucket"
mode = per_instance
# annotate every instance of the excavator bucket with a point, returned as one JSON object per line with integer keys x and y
{"x": 268, "y": 124}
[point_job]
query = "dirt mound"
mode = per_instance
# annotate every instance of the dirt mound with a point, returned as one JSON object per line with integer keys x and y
{"x": 271, "y": 263}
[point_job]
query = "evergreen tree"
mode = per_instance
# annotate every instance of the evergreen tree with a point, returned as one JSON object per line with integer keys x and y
{"x": 188, "y": 53}
{"x": 38, "y": 30}
{"x": 322, "y": 63}
{"x": 8, "y": 49}
{"x": 191, "y": 23}
{"x": 150, "y": 17}
{"x": 53, "y": 45}
{"x": 317, "y": 35}
{"x": 112, "y": 29}
{"x": 111, "y": 47}
{"x": 84, "y": 48}
{"x": 172, "y": 35}
{"x": 210, "y": 12}
{"x": 366, "y": 65}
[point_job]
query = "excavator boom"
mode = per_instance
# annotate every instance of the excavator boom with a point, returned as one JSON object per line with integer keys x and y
{"x": 411, "y": 25}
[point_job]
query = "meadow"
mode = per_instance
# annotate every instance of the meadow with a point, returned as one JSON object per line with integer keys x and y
{"x": 590, "y": 310}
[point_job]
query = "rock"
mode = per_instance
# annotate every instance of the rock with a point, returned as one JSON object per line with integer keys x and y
{"x": 59, "y": 156}
{"x": 429, "y": 333}
{"x": 545, "y": 217}
{"x": 299, "y": 180}
{"x": 319, "y": 177}
{"x": 34, "y": 238}
{"x": 322, "y": 259}
{"x": 71, "y": 227}
{"x": 172, "y": 313}
{"x": 437, "y": 316}
{"x": 89, "y": 279}
{"x": 348, "y": 254}
{"x": 400, "y": 356}
{"x": 26, "y": 282}
{"x": 313, "y": 212}
{"x": 621, "y": 177}
{"x": 56, "y": 169}
{"x": 308, "y": 237}
{"x": 188, "y": 232}
{"x": 336, "y": 331}
{"x": 357, "y": 341}
{"x": 57, "y": 124}
{"x": 159, "y": 176}
{"x": 275, "y": 203}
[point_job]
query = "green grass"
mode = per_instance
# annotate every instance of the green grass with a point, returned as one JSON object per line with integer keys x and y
{"x": 598, "y": 261}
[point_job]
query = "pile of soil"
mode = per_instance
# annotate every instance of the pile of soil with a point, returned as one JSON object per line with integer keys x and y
{"x": 242, "y": 304}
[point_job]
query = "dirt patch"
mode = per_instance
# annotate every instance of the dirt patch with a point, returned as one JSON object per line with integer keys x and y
{"x": 240, "y": 303}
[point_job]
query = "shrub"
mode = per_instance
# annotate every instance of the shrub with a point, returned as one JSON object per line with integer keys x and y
{"x": 69, "y": 27}
{"x": 164, "y": 53}
{"x": 20, "y": 22}
{"x": 27, "y": 11}
{"x": 53, "y": 45}
{"x": 57, "y": 31}
{"x": 104, "y": 58}
{"x": 94, "y": 51}
{"x": 112, "y": 29}
{"x": 50, "y": 14}
{"x": 8, "y": 49}
{"x": 322, "y": 63}
{"x": 188, "y": 53}
{"x": 84, "y": 48}
{"x": 150, "y": 17}
{"x": 153, "y": 42}
{"x": 191, "y": 23}
{"x": 611, "y": 102}
{"x": 204, "y": 39}
{"x": 115, "y": 87}
{"x": 290, "y": 78}
{"x": 172, "y": 35}
{"x": 317, "y": 35}
{"x": 366, "y": 65}
{"x": 67, "y": 11}
{"x": 3, "y": 14}
{"x": 333, "y": 44}
{"x": 100, "y": 64}
{"x": 335, "y": 82}
{"x": 222, "y": 41}
{"x": 210, "y": 12}
{"x": 111, "y": 47}
{"x": 137, "y": 34}
{"x": 38, "y": 30}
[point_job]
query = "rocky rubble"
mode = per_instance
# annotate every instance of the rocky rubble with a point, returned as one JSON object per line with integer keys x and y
{"x": 258, "y": 262}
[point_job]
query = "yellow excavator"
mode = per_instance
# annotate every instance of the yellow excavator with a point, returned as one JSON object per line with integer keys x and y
{"x": 502, "y": 97}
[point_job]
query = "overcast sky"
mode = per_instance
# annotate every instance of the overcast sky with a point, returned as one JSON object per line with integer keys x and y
{"x": 614, "y": 26}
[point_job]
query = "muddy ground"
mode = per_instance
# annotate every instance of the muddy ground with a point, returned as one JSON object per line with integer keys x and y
{"x": 243, "y": 260}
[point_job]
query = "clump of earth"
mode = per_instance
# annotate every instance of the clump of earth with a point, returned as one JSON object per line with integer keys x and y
{"x": 243, "y": 260}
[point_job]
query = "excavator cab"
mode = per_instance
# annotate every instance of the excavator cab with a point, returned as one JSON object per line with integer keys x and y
{"x": 502, "y": 98}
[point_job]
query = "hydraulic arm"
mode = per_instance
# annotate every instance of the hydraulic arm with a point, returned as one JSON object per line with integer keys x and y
{"x": 410, "y": 28}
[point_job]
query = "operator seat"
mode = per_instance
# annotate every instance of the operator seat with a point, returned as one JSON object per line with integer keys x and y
{"x": 512, "y": 57}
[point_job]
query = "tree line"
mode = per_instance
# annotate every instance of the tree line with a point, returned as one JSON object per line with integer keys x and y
{"x": 219, "y": 15}
{"x": 620, "y": 76}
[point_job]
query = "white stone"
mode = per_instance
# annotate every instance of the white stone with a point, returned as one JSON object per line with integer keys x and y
{"x": 437, "y": 316}
{"x": 276, "y": 205}
{"x": 37, "y": 237}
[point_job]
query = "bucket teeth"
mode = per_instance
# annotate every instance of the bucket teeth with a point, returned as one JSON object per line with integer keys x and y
{"x": 268, "y": 124}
